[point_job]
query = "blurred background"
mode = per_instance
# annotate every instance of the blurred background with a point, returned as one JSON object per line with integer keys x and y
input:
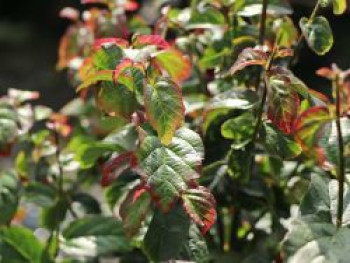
{"x": 30, "y": 33}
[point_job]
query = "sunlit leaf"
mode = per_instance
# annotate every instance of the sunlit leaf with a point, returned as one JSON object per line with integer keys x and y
{"x": 339, "y": 6}
{"x": 174, "y": 63}
{"x": 155, "y": 40}
{"x": 249, "y": 57}
{"x": 164, "y": 108}
{"x": 103, "y": 75}
{"x": 170, "y": 168}
{"x": 318, "y": 34}
{"x": 199, "y": 203}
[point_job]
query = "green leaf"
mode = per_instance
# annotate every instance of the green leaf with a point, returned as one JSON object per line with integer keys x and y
{"x": 197, "y": 245}
{"x": 9, "y": 196}
{"x": 88, "y": 154}
{"x": 53, "y": 216}
{"x": 272, "y": 10}
{"x": 20, "y": 245}
{"x": 134, "y": 208}
{"x": 223, "y": 103}
{"x": 239, "y": 129}
{"x": 339, "y": 6}
{"x": 40, "y": 194}
{"x": 212, "y": 58}
{"x": 166, "y": 234}
{"x": 8, "y": 132}
{"x": 169, "y": 168}
{"x": 164, "y": 108}
{"x": 279, "y": 144}
{"x": 116, "y": 99}
{"x": 208, "y": 18}
{"x": 88, "y": 203}
{"x": 95, "y": 235}
{"x": 107, "y": 57}
{"x": 318, "y": 34}
{"x": 314, "y": 234}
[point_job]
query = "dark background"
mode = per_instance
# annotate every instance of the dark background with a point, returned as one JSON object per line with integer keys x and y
{"x": 30, "y": 33}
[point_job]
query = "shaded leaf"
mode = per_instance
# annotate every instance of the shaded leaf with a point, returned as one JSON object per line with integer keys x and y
{"x": 134, "y": 208}
{"x": 94, "y": 236}
{"x": 279, "y": 144}
{"x": 166, "y": 234}
{"x": 9, "y": 196}
{"x": 314, "y": 235}
{"x": 20, "y": 245}
{"x": 239, "y": 129}
{"x": 116, "y": 99}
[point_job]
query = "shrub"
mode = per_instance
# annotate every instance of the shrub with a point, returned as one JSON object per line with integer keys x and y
{"x": 190, "y": 139}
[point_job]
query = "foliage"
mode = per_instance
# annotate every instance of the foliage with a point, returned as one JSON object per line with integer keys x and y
{"x": 191, "y": 139}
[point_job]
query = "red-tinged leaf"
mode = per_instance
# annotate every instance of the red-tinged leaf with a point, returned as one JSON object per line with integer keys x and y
{"x": 250, "y": 57}
{"x": 286, "y": 52}
{"x": 318, "y": 98}
{"x": 131, "y": 5}
{"x": 70, "y": 13}
{"x": 134, "y": 208}
{"x": 124, "y": 65}
{"x": 199, "y": 203}
{"x": 86, "y": 69}
{"x": 283, "y": 110}
{"x": 102, "y": 75}
{"x": 155, "y": 40}
{"x": 174, "y": 63}
{"x": 326, "y": 73}
{"x": 164, "y": 108}
{"x": 306, "y": 128}
{"x": 169, "y": 169}
{"x": 105, "y": 41}
{"x": 116, "y": 166}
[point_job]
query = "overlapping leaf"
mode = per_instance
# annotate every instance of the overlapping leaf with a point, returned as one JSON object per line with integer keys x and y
{"x": 104, "y": 234}
{"x": 250, "y": 57}
{"x": 164, "y": 108}
{"x": 174, "y": 63}
{"x": 283, "y": 109}
{"x": 314, "y": 235}
{"x": 134, "y": 209}
{"x": 200, "y": 205}
{"x": 170, "y": 168}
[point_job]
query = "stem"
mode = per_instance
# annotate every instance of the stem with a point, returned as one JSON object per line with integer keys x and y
{"x": 60, "y": 169}
{"x": 263, "y": 22}
{"x": 260, "y": 112}
{"x": 341, "y": 165}
{"x": 301, "y": 37}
